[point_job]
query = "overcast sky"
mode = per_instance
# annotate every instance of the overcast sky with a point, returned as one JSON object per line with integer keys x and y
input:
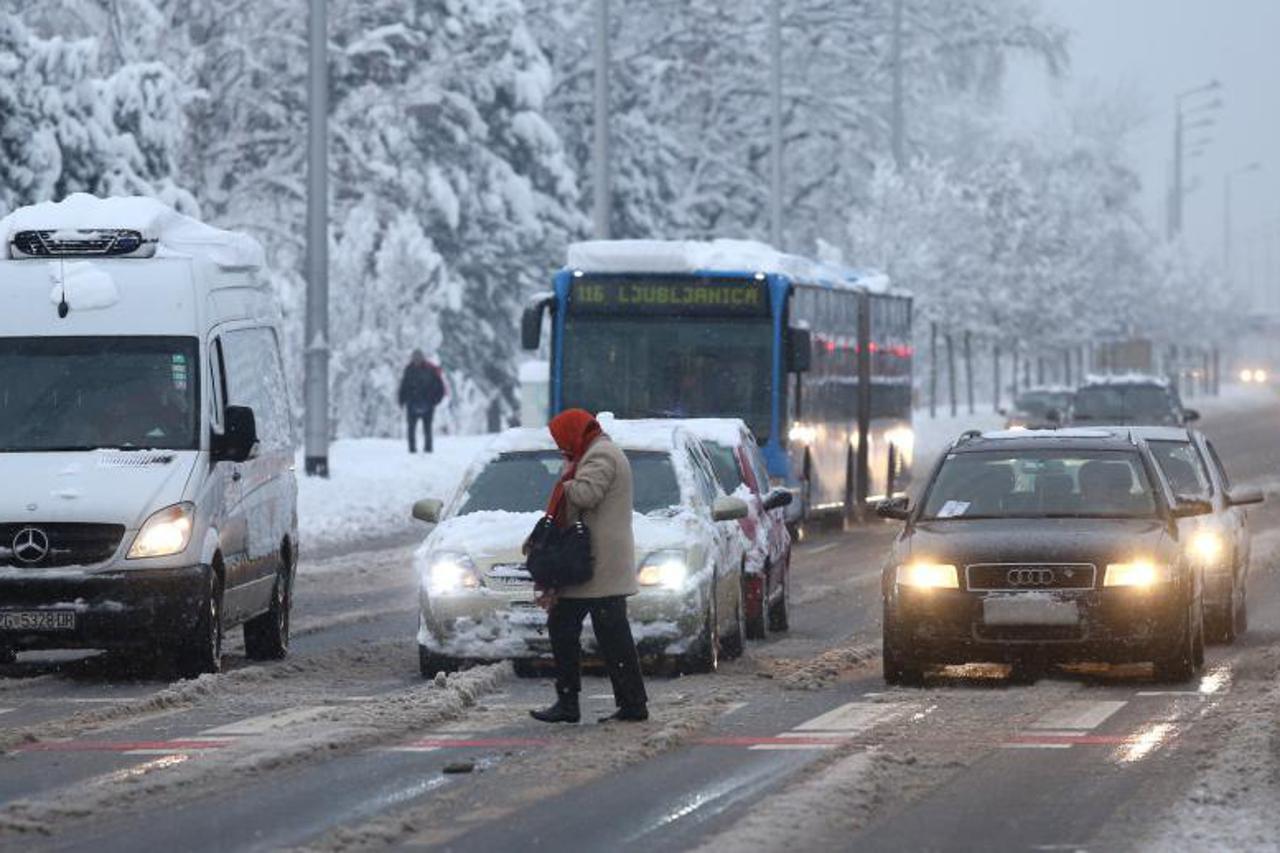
{"x": 1157, "y": 48}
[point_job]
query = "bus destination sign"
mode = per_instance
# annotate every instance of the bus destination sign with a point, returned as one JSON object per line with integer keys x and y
{"x": 680, "y": 296}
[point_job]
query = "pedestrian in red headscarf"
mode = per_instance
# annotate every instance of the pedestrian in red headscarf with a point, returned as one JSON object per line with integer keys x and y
{"x": 595, "y": 488}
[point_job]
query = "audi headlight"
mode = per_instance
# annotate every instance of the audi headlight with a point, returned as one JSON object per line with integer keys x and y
{"x": 449, "y": 571}
{"x": 1207, "y": 547}
{"x": 165, "y": 533}
{"x": 668, "y": 569}
{"x": 1136, "y": 573}
{"x": 929, "y": 575}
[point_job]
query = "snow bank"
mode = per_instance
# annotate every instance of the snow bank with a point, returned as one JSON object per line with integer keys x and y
{"x": 690, "y": 256}
{"x": 372, "y": 486}
{"x": 173, "y": 234}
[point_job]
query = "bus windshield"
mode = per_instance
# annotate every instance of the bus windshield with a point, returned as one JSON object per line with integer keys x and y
{"x": 671, "y": 366}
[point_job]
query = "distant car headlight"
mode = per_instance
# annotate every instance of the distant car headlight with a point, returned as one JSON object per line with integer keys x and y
{"x": 449, "y": 571}
{"x": 1246, "y": 375}
{"x": 1136, "y": 573}
{"x": 1259, "y": 376}
{"x": 165, "y": 533}
{"x": 668, "y": 569}
{"x": 1206, "y": 546}
{"x": 929, "y": 575}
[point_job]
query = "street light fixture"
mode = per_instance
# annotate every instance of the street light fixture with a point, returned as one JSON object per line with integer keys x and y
{"x": 1180, "y": 126}
{"x": 1226, "y": 211}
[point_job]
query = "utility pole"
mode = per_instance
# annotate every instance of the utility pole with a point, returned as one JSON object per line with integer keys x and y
{"x": 1177, "y": 194}
{"x": 775, "y": 124}
{"x": 601, "y": 177}
{"x": 899, "y": 143}
{"x": 316, "y": 385}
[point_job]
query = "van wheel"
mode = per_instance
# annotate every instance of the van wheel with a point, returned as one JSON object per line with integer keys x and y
{"x": 266, "y": 637}
{"x": 202, "y": 651}
{"x": 430, "y": 664}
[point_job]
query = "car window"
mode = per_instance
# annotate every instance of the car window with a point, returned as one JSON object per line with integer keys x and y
{"x": 1182, "y": 467}
{"x": 1041, "y": 484}
{"x": 522, "y": 482}
{"x": 760, "y": 467}
{"x": 1222, "y": 469}
{"x": 1126, "y": 404}
{"x": 703, "y": 475}
{"x": 255, "y": 378}
{"x": 725, "y": 464}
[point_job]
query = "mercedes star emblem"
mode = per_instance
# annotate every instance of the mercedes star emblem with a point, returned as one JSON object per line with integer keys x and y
{"x": 31, "y": 545}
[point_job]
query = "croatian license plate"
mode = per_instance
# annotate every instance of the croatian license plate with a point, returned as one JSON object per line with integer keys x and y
{"x": 38, "y": 620}
{"x": 1018, "y": 610}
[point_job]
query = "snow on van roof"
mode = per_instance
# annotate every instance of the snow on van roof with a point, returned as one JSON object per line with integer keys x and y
{"x": 176, "y": 235}
{"x": 693, "y": 256}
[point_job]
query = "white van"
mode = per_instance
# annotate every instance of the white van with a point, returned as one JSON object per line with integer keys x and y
{"x": 146, "y": 443}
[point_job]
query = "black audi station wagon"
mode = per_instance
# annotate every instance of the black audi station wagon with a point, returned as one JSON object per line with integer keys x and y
{"x": 1043, "y": 547}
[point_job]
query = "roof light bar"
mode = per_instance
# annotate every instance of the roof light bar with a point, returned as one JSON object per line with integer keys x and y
{"x": 81, "y": 243}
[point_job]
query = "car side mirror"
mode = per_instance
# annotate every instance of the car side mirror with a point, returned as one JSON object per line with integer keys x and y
{"x": 428, "y": 510}
{"x": 1244, "y": 496}
{"x": 777, "y": 499}
{"x": 799, "y": 350}
{"x": 728, "y": 508}
{"x": 1185, "y": 507}
{"x": 897, "y": 509}
{"x": 1190, "y": 416}
{"x": 239, "y": 439}
{"x": 531, "y": 326}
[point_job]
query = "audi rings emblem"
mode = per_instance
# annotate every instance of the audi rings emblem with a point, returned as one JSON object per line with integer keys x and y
{"x": 1030, "y": 577}
{"x": 30, "y": 545}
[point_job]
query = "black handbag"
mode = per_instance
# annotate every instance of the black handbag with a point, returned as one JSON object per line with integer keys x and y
{"x": 559, "y": 558}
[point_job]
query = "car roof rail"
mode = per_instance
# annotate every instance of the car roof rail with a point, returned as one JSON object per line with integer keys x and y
{"x": 967, "y": 435}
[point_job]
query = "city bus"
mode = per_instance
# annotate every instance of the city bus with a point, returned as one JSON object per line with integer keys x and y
{"x": 815, "y": 358}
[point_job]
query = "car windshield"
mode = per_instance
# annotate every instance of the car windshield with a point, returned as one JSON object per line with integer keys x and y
{"x": 1041, "y": 484}
{"x": 725, "y": 464}
{"x": 522, "y": 482}
{"x": 1040, "y": 402}
{"x": 1125, "y": 404}
{"x": 1182, "y": 467}
{"x": 82, "y": 393}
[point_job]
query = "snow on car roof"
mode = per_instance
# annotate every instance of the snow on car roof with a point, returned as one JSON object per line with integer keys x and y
{"x": 652, "y": 434}
{"x": 724, "y": 431}
{"x": 1047, "y": 389}
{"x": 176, "y": 235}
{"x": 693, "y": 256}
{"x": 1125, "y": 379}
{"x": 1154, "y": 433}
{"x": 1065, "y": 433}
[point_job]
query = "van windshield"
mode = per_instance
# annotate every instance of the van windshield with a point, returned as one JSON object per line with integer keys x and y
{"x": 82, "y": 393}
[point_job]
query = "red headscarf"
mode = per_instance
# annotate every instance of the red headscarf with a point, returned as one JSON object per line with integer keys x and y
{"x": 574, "y": 431}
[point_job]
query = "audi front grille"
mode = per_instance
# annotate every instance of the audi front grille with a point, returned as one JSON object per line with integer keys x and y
{"x": 1028, "y": 577}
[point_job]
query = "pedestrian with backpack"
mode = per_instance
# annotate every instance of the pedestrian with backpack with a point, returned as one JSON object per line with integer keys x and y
{"x": 421, "y": 390}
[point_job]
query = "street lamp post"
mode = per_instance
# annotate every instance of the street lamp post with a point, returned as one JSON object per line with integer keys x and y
{"x": 316, "y": 384}
{"x": 1180, "y": 127}
{"x": 1226, "y": 212}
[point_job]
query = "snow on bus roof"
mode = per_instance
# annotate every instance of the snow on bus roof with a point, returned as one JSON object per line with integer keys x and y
{"x": 176, "y": 235}
{"x": 693, "y": 256}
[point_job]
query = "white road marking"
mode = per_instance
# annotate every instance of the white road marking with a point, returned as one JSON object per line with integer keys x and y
{"x": 1054, "y": 733}
{"x": 733, "y": 707}
{"x": 1035, "y": 745}
{"x": 7, "y": 710}
{"x": 1168, "y": 693}
{"x": 1079, "y": 715}
{"x": 266, "y": 722}
{"x": 854, "y": 717}
{"x": 822, "y": 549}
{"x": 91, "y": 700}
{"x": 779, "y": 747}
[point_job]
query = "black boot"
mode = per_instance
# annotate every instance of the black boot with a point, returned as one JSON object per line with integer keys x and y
{"x": 628, "y": 714}
{"x": 565, "y": 710}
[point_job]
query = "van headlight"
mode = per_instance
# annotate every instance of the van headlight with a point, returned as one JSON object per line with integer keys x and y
{"x": 667, "y": 569}
{"x": 1136, "y": 573}
{"x": 449, "y": 571}
{"x": 165, "y": 533}
{"x": 928, "y": 575}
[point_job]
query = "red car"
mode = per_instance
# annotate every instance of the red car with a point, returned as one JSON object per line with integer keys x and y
{"x": 741, "y": 469}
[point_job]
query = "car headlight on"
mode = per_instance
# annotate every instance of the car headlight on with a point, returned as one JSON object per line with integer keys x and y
{"x": 1259, "y": 376}
{"x": 165, "y": 533}
{"x": 1206, "y": 546}
{"x": 449, "y": 571}
{"x": 668, "y": 569}
{"x": 1136, "y": 573}
{"x": 929, "y": 575}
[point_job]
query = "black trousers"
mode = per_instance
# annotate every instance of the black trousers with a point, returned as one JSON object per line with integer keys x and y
{"x": 426, "y": 416}
{"x": 613, "y": 636}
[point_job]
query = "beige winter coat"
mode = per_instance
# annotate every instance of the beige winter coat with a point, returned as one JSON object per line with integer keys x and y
{"x": 600, "y": 493}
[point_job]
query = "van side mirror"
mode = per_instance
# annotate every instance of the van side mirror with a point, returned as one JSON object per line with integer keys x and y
{"x": 428, "y": 510}
{"x": 239, "y": 439}
{"x": 777, "y": 499}
{"x": 1187, "y": 507}
{"x": 531, "y": 325}
{"x": 896, "y": 509}
{"x": 1244, "y": 496}
{"x": 728, "y": 508}
{"x": 799, "y": 350}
